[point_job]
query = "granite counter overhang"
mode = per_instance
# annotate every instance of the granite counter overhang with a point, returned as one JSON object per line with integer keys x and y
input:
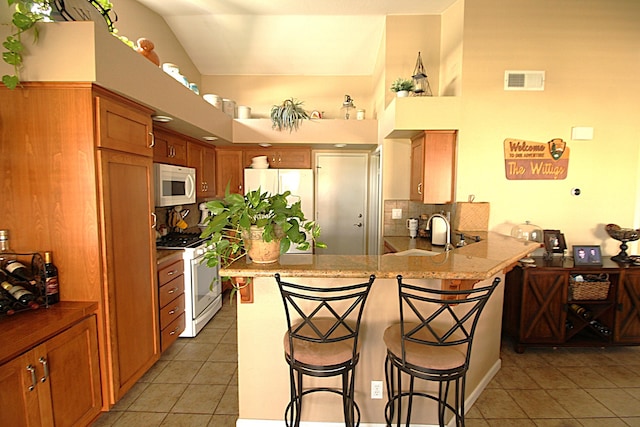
{"x": 478, "y": 261}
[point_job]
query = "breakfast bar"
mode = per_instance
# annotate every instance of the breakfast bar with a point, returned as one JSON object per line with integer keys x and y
{"x": 263, "y": 379}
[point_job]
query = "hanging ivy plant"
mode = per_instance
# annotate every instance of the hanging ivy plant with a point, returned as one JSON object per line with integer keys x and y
{"x": 26, "y": 15}
{"x": 288, "y": 115}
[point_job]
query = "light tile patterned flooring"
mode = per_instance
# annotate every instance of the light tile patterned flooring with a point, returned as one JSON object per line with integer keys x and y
{"x": 195, "y": 384}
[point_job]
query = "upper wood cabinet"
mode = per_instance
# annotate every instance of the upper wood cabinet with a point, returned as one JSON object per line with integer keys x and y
{"x": 281, "y": 157}
{"x": 433, "y": 167}
{"x": 202, "y": 156}
{"x": 229, "y": 170}
{"x": 121, "y": 127}
{"x": 169, "y": 147}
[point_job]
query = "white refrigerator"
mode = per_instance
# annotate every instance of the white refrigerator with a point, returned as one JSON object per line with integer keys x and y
{"x": 275, "y": 181}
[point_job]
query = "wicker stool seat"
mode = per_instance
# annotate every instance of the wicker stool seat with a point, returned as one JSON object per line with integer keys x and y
{"x": 322, "y": 341}
{"x": 432, "y": 342}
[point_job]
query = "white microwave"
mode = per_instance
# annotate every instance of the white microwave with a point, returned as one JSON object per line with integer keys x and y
{"x": 175, "y": 185}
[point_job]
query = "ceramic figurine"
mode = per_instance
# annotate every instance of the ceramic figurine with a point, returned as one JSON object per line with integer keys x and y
{"x": 145, "y": 48}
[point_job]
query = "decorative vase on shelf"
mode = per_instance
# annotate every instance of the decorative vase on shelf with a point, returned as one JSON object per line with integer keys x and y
{"x": 402, "y": 93}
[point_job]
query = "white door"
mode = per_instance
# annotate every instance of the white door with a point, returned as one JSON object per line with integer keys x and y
{"x": 341, "y": 202}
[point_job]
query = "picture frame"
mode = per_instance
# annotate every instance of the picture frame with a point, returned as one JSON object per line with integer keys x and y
{"x": 585, "y": 255}
{"x": 554, "y": 241}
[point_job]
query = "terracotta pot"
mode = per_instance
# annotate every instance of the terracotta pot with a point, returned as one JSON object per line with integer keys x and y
{"x": 259, "y": 251}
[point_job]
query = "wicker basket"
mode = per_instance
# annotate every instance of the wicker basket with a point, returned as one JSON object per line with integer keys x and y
{"x": 588, "y": 290}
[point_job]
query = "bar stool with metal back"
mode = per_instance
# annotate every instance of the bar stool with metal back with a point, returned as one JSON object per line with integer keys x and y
{"x": 322, "y": 340}
{"x": 432, "y": 342}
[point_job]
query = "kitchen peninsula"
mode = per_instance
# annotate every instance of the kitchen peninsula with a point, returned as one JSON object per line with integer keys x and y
{"x": 262, "y": 370}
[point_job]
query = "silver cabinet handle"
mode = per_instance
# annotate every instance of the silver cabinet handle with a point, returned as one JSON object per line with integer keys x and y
{"x": 174, "y": 331}
{"x": 173, "y": 291}
{"x": 45, "y": 365}
{"x": 172, "y": 272}
{"x": 153, "y": 140}
{"x": 34, "y": 380}
{"x": 420, "y": 188}
{"x": 155, "y": 220}
{"x": 175, "y": 309}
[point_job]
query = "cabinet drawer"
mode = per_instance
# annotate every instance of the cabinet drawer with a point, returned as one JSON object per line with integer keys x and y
{"x": 171, "y": 290}
{"x": 171, "y": 311}
{"x": 171, "y": 332}
{"x": 169, "y": 272}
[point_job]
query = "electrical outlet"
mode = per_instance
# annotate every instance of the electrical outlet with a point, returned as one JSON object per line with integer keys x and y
{"x": 376, "y": 389}
{"x": 396, "y": 213}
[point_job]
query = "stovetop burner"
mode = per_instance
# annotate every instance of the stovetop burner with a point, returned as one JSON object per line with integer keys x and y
{"x": 179, "y": 241}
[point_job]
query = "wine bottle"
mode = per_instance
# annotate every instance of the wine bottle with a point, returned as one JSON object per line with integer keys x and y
{"x": 581, "y": 311}
{"x": 52, "y": 289}
{"x": 5, "y": 250}
{"x": 602, "y": 329}
{"x": 17, "y": 269}
{"x": 20, "y": 294}
{"x": 6, "y": 304}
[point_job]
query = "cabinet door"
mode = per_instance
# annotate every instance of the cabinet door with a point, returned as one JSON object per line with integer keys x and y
{"x": 71, "y": 361}
{"x": 249, "y": 154}
{"x": 229, "y": 171}
{"x": 169, "y": 148}
{"x": 129, "y": 262}
{"x": 19, "y": 392}
{"x": 417, "y": 169}
{"x": 294, "y": 158}
{"x": 439, "y": 167}
{"x": 544, "y": 296}
{"x": 627, "y": 323}
{"x": 203, "y": 158}
{"x": 123, "y": 128}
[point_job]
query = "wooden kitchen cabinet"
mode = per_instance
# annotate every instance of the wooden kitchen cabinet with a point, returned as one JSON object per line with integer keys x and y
{"x": 169, "y": 147}
{"x": 537, "y": 308}
{"x": 281, "y": 157}
{"x": 171, "y": 299}
{"x": 202, "y": 157}
{"x": 229, "y": 171}
{"x": 433, "y": 167}
{"x": 90, "y": 170}
{"x": 56, "y": 383}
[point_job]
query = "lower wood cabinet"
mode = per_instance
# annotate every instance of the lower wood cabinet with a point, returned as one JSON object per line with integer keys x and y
{"x": 56, "y": 383}
{"x": 171, "y": 299}
{"x": 541, "y": 310}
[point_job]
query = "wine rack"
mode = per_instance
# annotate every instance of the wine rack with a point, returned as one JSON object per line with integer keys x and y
{"x": 35, "y": 263}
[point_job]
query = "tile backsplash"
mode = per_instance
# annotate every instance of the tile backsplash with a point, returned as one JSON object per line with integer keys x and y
{"x": 410, "y": 209}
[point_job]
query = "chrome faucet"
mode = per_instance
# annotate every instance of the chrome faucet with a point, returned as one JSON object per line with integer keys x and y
{"x": 448, "y": 246}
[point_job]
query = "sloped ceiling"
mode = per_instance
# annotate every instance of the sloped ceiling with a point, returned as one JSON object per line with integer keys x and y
{"x": 285, "y": 37}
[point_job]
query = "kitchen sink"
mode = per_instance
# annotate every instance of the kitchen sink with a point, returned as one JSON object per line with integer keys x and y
{"x": 415, "y": 252}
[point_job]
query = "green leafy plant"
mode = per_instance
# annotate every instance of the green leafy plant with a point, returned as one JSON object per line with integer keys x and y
{"x": 401, "y": 84}
{"x": 288, "y": 115}
{"x": 232, "y": 218}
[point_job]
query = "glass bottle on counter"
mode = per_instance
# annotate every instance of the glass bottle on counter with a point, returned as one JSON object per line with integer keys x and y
{"x": 52, "y": 290}
{"x": 20, "y": 294}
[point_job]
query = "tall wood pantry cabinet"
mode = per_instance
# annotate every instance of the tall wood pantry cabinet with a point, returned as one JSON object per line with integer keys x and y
{"x": 76, "y": 165}
{"x": 433, "y": 167}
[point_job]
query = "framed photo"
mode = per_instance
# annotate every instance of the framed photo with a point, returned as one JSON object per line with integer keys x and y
{"x": 554, "y": 241}
{"x": 587, "y": 255}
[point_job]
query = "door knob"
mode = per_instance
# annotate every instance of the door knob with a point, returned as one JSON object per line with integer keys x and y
{"x": 358, "y": 224}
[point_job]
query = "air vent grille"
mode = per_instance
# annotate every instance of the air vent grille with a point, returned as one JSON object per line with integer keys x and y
{"x": 524, "y": 80}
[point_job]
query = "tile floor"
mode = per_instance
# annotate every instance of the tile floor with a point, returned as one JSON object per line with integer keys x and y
{"x": 195, "y": 384}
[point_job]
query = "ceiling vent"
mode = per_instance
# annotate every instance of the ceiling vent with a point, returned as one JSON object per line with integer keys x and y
{"x": 524, "y": 80}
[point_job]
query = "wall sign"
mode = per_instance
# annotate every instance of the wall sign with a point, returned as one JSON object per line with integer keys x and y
{"x": 536, "y": 160}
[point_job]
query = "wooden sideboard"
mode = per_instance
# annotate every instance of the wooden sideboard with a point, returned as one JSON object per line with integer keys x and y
{"x": 539, "y": 309}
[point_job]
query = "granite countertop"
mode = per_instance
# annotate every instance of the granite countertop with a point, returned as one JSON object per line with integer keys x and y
{"x": 403, "y": 243}
{"x": 477, "y": 261}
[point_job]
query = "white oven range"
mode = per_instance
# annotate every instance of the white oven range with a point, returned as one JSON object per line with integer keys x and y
{"x": 202, "y": 286}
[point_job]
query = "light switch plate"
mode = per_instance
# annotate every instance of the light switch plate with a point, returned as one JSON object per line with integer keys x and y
{"x": 396, "y": 213}
{"x": 582, "y": 133}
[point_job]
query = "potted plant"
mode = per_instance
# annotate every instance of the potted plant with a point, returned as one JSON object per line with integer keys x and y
{"x": 288, "y": 115}
{"x": 402, "y": 87}
{"x": 242, "y": 224}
